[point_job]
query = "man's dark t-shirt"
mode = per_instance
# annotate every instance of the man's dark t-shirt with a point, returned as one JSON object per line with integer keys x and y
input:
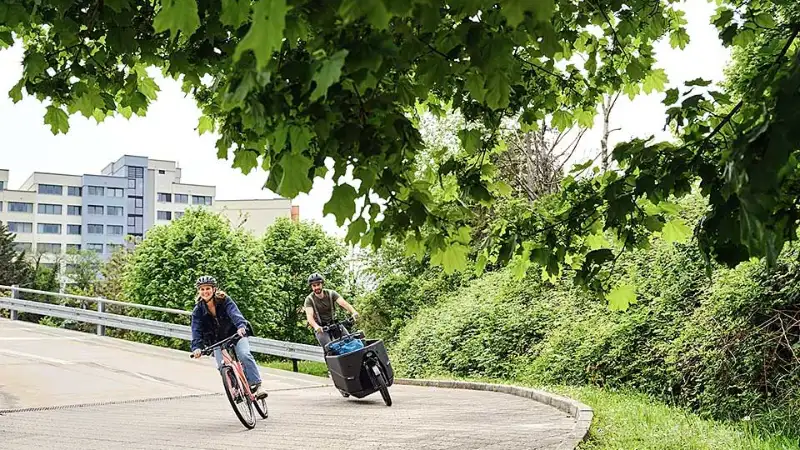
{"x": 323, "y": 307}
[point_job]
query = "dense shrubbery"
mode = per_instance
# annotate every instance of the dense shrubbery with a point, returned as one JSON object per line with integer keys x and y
{"x": 726, "y": 346}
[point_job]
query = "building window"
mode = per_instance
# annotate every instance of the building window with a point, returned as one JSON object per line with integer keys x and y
{"x": 48, "y": 228}
{"x": 201, "y": 200}
{"x": 135, "y": 225}
{"x": 22, "y": 247}
{"x": 113, "y": 248}
{"x": 114, "y": 210}
{"x": 115, "y": 192}
{"x": 135, "y": 172}
{"x": 73, "y": 210}
{"x": 178, "y": 214}
{"x": 73, "y": 247}
{"x": 95, "y": 210}
{"x": 95, "y": 229}
{"x": 20, "y": 227}
{"x": 136, "y": 205}
{"x": 131, "y": 183}
{"x": 48, "y": 248}
{"x": 73, "y": 229}
{"x": 162, "y": 172}
{"x": 181, "y": 198}
{"x": 97, "y": 190}
{"x": 114, "y": 230}
{"x": 20, "y": 207}
{"x": 51, "y": 189}
{"x": 164, "y": 215}
{"x": 164, "y": 198}
{"x": 2, "y": 185}
{"x": 97, "y": 248}
{"x": 1, "y": 206}
{"x": 74, "y": 191}
{"x": 46, "y": 208}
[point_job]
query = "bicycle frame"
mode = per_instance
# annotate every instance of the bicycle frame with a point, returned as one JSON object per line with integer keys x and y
{"x": 234, "y": 363}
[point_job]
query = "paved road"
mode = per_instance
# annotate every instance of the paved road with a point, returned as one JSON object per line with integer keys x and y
{"x": 69, "y": 390}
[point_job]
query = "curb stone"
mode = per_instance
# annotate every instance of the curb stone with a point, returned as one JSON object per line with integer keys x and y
{"x": 582, "y": 413}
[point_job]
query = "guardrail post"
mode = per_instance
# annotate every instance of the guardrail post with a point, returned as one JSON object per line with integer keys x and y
{"x": 101, "y": 329}
{"x": 294, "y": 365}
{"x": 14, "y": 294}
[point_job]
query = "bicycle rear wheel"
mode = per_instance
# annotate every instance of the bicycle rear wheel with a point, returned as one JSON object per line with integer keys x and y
{"x": 238, "y": 399}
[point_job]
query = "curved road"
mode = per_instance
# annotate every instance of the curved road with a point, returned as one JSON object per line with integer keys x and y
{"x": 67, "y": 390}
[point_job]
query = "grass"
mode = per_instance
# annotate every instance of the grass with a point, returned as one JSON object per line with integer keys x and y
{"x": 627, "y": 421}
{"x": 307, "y": 367}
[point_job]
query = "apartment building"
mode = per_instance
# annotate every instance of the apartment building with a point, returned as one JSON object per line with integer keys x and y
{"x": 53, "y": 213}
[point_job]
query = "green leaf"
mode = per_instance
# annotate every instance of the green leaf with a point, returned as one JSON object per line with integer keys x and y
{"x": 355, "y": 230}
{"x": 679, "y": 38}
{"x": 452, "y": 258}
{"x": 294, "y": 178}
{"x": 374, "y": 10}
{"x": 585, "y": 118}
{"x": 342, "y": 203}
{"x": 266, "y": 32}
{"x": 235, "y": 13}
{"x": 177, "y": 16}
{"x": 672, "y": 97}
{"x": 470, "y": 140}
{"x": 328, "y": 74}
{"x": 655, "y": 81}
{"x": 148, "y": 87}
{"x": 497, "y": 95}
{"x": 597, "y": 241}
{"x": 35, "y": 65}
{"x": 698, "y": 82}
{"x": 514, "y": 10}
{"x": 475, "y": 85}
{"x": 57, "y": 119}
{"x": 205, "y": 125}
{"x": 764, "y": 20}
{"x": 635, "y": 70}
{"x": 676, "y": 230}
{"x": 299, "y": 137}
{"x": 622, "y": 296}
{"x": 245, "y": 160}
{"x": 562, "y": 120}
{"x": 16, "y": 92}
{"x": 117, "y": 5}
{"x": 88, "y": 102}
{"x": 414, "y": 247}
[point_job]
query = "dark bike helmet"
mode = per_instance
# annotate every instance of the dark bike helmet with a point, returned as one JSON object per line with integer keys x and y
{"x": 315, "y": 278}
{"x": 205, "y": 279}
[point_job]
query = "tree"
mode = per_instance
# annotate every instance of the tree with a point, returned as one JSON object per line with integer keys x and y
{"x": 291, "y": 252}
{"x": 84, "y": 267}
{"x": 113, "y": 271}
{"x": 295, "y": 83}
{"x": 166, "y": 264}
{"x": 14, "y": 268}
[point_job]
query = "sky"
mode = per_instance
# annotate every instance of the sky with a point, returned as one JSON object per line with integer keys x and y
{"x": 168, "y": 130}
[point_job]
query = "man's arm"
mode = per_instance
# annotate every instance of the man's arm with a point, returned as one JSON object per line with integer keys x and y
{"x": 310, "y": 318}
{"x": 343, "y": 303}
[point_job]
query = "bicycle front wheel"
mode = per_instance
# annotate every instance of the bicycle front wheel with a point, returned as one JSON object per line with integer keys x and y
{"x": 239, "y": 400}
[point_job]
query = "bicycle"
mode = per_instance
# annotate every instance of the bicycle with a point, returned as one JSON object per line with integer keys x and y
{"x": 237, "y": 389}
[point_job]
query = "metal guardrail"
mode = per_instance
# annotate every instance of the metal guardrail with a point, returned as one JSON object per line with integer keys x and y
{"x": 103, "y": 319}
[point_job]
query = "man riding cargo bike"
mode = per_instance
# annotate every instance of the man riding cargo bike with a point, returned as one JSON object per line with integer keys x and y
{"x": 358, "y": 366}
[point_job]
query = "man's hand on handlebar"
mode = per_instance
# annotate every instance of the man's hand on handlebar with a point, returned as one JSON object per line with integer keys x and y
{"x": 355, "y": 316}
{"x": 197, "y": 353}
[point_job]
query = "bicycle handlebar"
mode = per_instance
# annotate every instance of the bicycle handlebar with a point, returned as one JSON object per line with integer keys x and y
{"x": 210, "y": 349}
{"x": 349, "y": 322}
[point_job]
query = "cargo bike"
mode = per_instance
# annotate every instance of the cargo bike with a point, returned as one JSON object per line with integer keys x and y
{"x": 359, "y": 367}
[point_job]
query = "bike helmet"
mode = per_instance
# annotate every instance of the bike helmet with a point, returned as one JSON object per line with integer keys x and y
{"x": 315, "y": 278}
{"x": 205, "y": 279}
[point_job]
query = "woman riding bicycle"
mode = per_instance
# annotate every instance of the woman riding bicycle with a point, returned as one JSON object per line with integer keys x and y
{"x": 216, "y": 317}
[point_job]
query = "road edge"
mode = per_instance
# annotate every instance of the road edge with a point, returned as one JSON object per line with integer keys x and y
{"x": 582, "y": 413}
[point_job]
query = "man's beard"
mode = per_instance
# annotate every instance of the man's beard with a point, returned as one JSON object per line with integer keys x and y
{"x": 317, "y": 291}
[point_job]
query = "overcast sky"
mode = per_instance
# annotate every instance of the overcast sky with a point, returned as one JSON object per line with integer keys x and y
{"x": 26, "y": 144}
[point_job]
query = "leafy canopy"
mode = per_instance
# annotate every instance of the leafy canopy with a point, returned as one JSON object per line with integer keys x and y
{"x": 289, "y": 83}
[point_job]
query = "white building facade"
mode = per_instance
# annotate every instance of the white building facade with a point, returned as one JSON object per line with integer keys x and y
{"x": 54, "y": 213}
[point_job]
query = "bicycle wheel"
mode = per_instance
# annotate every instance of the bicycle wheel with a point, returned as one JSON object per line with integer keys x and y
{"x": 261, "y": 407}
{"x": 240, "y": 402}
{"x": 381, "y": 384}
